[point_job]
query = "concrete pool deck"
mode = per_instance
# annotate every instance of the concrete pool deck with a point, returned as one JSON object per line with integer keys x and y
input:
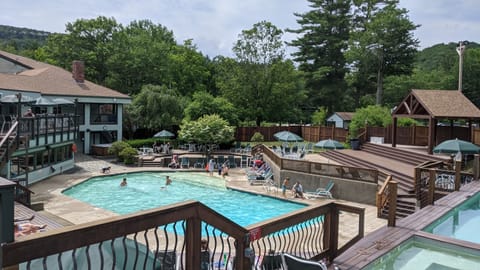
{"x": 68, "y": 211}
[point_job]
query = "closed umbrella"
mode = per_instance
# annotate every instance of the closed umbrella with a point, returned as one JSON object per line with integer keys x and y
{"x": 329, "y": 144}
{"x": 287, "y": 136}
{"x": 455, "y": 146}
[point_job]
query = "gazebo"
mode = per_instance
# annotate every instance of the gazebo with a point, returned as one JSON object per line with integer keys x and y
{"x": 435, "y": 105}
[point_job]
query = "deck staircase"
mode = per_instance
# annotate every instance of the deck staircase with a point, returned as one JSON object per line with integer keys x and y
{"x": 8, "y": 145}
{"x": 406, "y": 202}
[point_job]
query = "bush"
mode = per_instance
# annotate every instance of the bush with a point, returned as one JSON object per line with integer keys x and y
{"x": 373, "y": 115}
{"x": 128, "y": 155}
{"x": 257, "y": 137}
{"x": 116, "y": 148}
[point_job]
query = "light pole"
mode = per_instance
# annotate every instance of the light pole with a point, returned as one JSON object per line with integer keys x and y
{"x": 460, "y": 51}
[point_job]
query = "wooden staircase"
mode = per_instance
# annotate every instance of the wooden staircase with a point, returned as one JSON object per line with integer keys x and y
{"x": 8, "y": 145}
{"x": 406, "y": 201}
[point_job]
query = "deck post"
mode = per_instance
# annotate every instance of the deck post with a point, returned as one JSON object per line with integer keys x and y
{"x": 431, "y": 187}
{"x": 193, "y": 243}
{"x": 6, "y": 210}
{"x": 392, "y": 202}
{"x": 458, "y": 168}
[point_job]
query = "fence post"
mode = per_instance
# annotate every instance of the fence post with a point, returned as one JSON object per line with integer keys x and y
{"x": 392, "y": 202}
{"x": 193, "y": 243}
{"x": 431, "y": 187}
{"x": 476, "y": 166}
{"x": 458, "y": 168}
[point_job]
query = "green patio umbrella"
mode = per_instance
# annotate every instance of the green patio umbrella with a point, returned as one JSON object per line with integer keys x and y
{"x": 455, "y": 146}
{"x": 287, "y": 136}
{"x": 164, "y": 134}
{"x": 329, "y": 144}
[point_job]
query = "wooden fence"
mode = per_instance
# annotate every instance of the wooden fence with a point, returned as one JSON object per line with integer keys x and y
{"x": 414, "y": 135}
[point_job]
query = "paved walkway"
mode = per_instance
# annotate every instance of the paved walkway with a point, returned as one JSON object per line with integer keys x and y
{"x": 66, "y": 210}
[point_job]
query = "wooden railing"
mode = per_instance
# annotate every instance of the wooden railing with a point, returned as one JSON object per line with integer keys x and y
{"x": 387, "y": 199}
{"x": 171, "y": 236}
{"x": 306, "y": 166}
{"x": 7, "y": 144}
{"x": 433, "y": 180}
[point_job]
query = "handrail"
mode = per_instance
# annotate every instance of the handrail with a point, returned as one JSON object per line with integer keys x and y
{"x": 149, "y": 229}
{"x": 382, "y": 196}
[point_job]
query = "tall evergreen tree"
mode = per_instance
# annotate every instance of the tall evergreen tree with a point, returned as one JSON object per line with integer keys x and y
{"x": 322, "y": 39}
{"x": 382, "y": 42}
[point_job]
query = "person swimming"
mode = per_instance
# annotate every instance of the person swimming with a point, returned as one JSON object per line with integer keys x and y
{"x": 168, "y": 182}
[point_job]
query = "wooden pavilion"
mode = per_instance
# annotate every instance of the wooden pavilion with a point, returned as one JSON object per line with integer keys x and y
{"x": 435, "y": 105}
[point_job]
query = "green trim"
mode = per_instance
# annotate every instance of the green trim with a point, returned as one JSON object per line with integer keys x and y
{"x": 32, "y": 150}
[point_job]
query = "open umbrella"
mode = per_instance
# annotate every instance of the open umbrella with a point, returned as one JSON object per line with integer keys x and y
{"x": 164, "y": 134}
{"x": 14, "y": 99}
{"x": 329, "y": 144}
{"x": 62, "y": 101}
{"x": 455, "y": 146}
{"x": 41, "y": 101}
{"x": 287, "y": 136}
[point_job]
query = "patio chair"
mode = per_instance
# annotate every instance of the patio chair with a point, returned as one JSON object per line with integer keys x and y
{"x": 200, "y": 163}
{"x": 309, "y": 148}
{"x": 184, "y": 162}
{"x": 292, "y": 262}
{"x": 260, "y": 179}
{"x": 322, "y": 192}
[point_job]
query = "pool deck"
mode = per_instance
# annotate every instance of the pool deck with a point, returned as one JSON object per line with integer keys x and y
{"x": 383, "y": 240}
{"x": 68, "y": 211}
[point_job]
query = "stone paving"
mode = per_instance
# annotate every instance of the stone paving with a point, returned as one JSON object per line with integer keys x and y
{"x": 66, "y": 210}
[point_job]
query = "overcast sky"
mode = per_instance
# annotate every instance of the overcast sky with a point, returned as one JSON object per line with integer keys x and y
{"x": 214, "y": 25}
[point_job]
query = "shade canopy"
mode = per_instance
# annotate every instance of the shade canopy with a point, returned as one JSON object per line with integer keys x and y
{"x": 455, "y": 146}
{"x": 41, "y": 101}
{"x": 287, "y": 136}
{"x": 164, "y": 134}
{"x": 62, "y": 101}
{"x": 14, "y": 99}
{"x": 329, "y": 144}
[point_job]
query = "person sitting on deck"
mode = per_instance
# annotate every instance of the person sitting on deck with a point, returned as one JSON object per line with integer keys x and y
{"x": 27, "y": 228}
{"x": 224, "y": 170}
{"x": 174, "y": 164}
{"x": 297, "y": 190}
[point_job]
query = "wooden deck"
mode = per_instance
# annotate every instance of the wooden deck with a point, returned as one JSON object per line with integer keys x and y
{"x": 385, "y": 239}
{"x": 22, "y": 212}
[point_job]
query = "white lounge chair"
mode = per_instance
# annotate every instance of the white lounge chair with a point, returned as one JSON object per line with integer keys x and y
{"x": 321, "y": 192}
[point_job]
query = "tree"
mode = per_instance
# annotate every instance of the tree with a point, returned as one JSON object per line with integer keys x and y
{"x": 208, "y": 130}
{"x": 321, "y": 42}
{"x": 204, "y": 104}
{"x": 373, "y": 115}
{"x": 140, "y": 56}
{"x": 383, "y": 43}
{"x": 157, "y": 107}
{"x": 259, "y": 82}
{"x": 88, "y": 40}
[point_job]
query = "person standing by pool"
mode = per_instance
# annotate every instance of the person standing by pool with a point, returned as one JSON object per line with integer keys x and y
{"x": 124, "y": 182}
{"x": 211, "y": 167}
{"x": 285, "y": 186}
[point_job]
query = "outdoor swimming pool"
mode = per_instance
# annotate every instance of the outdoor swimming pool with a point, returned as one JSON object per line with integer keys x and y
{"x": 462, "y": 222}
{"x": 423, "y": 253}
{"x": 145, "y": 191}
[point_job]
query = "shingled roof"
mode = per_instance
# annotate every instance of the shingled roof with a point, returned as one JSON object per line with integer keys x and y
{"x": 50, "y": 80}
{"x": 450, "y": 104}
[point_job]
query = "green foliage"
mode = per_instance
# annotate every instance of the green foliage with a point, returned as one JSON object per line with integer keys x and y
{"x": 116, "y": 148}
{"x": 208, "y": 129}
{"x": 321, "y": 42}
{"x": 138, "y": 143}
{"x": 319, "y": 116}
{"x": 157, "y": 107}
{"x": 128, "y": 155}
{"x": 373, "y": 115}
{"x": 407, "y": 122}
{"x": 257, "y": 137}
{"x": 204, "y": 103}
{"x": 22, "y": 41}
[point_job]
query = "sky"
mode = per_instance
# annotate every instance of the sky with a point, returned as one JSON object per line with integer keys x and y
{"x": 214, "y": 25}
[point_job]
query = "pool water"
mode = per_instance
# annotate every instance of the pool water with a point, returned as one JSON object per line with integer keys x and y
{"x": 147, "y": 190}
{"x": 462, "y": 222}
{"x": 422, "y": 253}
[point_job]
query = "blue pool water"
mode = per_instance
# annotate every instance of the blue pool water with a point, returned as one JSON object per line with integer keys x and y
{"x": 462, "y": 222}
{"x": 146, "y": 190}
{"x": 426, "y": 254}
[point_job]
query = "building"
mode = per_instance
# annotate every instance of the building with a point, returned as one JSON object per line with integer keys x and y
{"x": 341, "y": 119}
{"x": 69, "y": 114}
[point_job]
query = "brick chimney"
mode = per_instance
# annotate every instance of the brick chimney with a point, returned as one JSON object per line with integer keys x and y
{"x": 78, "y": 71}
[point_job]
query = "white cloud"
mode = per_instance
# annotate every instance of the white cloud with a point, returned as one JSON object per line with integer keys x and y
{"x": 214, "y": 25}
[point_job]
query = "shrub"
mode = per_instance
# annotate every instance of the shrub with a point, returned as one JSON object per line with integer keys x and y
{"x": 128, "y": 155}
{"x": 257, "y": 137}
{"x": 373, "y": 115}
{"x": 116, "y": 148}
